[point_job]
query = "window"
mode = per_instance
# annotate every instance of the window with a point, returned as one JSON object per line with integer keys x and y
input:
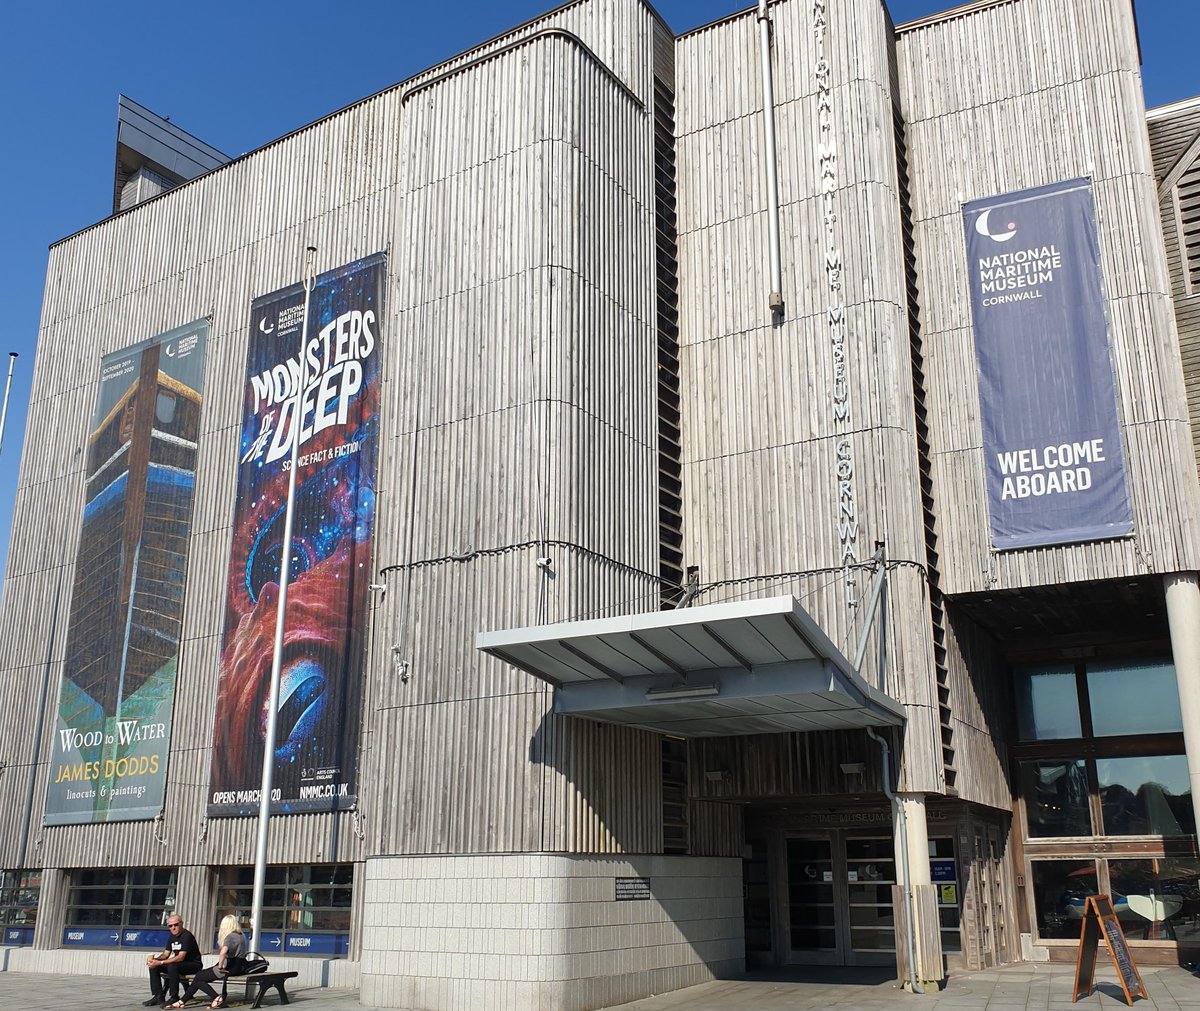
{"x": 119, "y": 907}
{"x": 1133, "y": 698}
{"x": 1056, "y": 798}
{"x": 1106, "y": 797}
{"x": 1060, "y": 891}
{"x": 19, "y": 892}
{"x": 1146, "y": 795}
{"x": 306, "y": 908}
{"x": 1157, "y": 899}
{"x": 1047, "y": 703}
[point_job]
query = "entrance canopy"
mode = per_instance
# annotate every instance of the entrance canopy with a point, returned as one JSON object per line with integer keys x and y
{"x": 746, "y": 667}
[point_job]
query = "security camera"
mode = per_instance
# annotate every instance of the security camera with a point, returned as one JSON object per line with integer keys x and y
{"x": 544, "y": 562}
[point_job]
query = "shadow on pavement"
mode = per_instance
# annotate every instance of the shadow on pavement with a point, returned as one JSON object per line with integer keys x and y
{"x": 872, "y": 975}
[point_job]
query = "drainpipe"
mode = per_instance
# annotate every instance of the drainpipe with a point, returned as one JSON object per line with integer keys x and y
{"x": 910, "y": 911}
{"x": 775, "y": 302}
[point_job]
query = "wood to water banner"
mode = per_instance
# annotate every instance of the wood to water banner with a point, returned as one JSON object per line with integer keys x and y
{"x": 320, "y": 691}
{"x": 117, "y": 693}
{"x": 1055, "y": 464}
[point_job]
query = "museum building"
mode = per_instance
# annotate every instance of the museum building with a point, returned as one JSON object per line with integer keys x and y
{"x": 746, "y": 513}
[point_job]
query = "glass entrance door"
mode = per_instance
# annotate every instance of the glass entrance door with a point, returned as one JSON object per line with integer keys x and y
{"x": 870, "y": 875}
{"x": 812, "y": 901}
{"x": 839, "y": 899}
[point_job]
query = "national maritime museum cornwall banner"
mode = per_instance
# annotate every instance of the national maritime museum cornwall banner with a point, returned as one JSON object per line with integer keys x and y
{"x": 1055, "y": 464}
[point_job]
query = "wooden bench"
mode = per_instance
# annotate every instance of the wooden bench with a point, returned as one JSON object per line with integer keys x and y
{"x": 264, "y": 981}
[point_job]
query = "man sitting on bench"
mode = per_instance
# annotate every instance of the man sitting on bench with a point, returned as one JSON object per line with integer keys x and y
{"x": 181, "y": 957}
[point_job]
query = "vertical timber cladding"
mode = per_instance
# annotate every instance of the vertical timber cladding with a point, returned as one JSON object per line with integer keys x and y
{"x": 113, "y": 731}
{"x": 320, "y": 689}
{"x": 1054, "y": 461}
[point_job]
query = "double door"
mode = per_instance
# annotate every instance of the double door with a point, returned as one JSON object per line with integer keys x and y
{"x": 833, "y": 893}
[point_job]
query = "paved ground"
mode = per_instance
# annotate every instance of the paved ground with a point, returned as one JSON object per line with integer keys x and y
{"x": 1018, "y": 988}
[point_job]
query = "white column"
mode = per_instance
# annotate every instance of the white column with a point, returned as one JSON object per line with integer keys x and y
{"x": 918, "y": 839}
{"x": 1183, "y": 616}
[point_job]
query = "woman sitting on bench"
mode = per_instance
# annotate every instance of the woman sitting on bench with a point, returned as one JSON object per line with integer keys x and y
{"x": 231, "y": 961}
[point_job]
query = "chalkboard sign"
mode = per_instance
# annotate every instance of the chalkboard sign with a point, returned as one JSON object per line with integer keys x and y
{"x": 1099, "y": 918}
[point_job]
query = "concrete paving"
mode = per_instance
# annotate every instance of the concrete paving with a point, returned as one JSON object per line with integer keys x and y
{"x": 1016, "y": 988}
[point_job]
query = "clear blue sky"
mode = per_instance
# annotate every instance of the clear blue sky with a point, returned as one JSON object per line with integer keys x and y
{"x": 240, "y": 74}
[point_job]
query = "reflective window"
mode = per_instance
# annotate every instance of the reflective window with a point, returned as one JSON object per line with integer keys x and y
{"x": 19, "y": 892}
{"x": 1156, "y": 899}
{"x": 306, "y": 907}
{"x": 1148, "y": 795}
{"x": 1047, "y": 703}
{"x": 1056, "y": 798}
{"x": 119, "y": 907}
{"x": 1060, "y": 889}
{"x": 1133, "y": 698}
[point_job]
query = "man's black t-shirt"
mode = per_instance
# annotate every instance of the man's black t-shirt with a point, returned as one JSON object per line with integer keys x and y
{"x": 185, "y": 941}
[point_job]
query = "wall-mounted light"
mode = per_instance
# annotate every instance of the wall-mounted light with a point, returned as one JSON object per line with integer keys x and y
{"x": 683, "y": 692}
{"x": 853, "y": 768}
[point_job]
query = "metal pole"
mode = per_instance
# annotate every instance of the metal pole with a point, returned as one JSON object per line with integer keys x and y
{"x": 12, "y": 359}
{"x": 775, "y": 302}
{"x": 285, "y": 564}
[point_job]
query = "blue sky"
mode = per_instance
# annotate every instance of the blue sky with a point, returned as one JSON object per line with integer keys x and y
{"x": 240, "y": 74}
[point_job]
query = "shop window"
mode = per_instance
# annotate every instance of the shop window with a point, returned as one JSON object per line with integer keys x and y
{"x": 1157, "y": 899}
{"x": 1133, "y": 698}
{"x": 1047, "y": 703}
{"x": 119, "y": 907}
{"x": 1056, "y": 798}
{"x": 306, "y": 907}
{"x": 1146, "y": 795}
{"x": 1060, "y": 891}
{"x": 19, "y": 893}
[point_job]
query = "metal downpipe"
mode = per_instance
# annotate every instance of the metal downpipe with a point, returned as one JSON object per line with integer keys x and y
{"x": 902, "y": 821}
{"x": 775, "y": 301}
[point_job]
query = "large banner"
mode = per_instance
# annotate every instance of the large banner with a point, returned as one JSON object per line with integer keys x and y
{"x": 1051, "y": 439}
{"x": 117, "y": 694}
{"x": 334, "y": 516}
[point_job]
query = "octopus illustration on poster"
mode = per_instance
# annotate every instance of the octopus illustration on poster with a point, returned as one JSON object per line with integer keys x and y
{"x": 329, "y": 582}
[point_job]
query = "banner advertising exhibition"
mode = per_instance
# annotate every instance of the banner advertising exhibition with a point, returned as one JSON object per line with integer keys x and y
{"x": 1055, "y": 464}
{"x": 117, "y": 693}
{"x": 334, "y": 513}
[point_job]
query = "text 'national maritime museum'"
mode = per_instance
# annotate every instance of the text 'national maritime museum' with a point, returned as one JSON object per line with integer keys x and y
{"x": 745, "y": 512}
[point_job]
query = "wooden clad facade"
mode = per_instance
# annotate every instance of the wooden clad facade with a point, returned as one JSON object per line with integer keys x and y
{"x": 585, "y": 389}
{"x": 1043, "y": 92}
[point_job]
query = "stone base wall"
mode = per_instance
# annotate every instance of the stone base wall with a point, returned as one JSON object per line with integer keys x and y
{"x": 514, "y": 932}
{"x": 335, "y": 972}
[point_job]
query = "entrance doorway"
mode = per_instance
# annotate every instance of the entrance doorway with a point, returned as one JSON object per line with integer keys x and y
{"x": 835, "y": 888}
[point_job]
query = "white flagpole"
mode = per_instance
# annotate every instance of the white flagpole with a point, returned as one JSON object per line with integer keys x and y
{"x": 285, "y": 564}
{"x": 12, "y": 359}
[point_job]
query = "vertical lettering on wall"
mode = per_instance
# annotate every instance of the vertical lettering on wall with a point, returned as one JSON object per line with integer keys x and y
{"x": 835, "y": 316}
